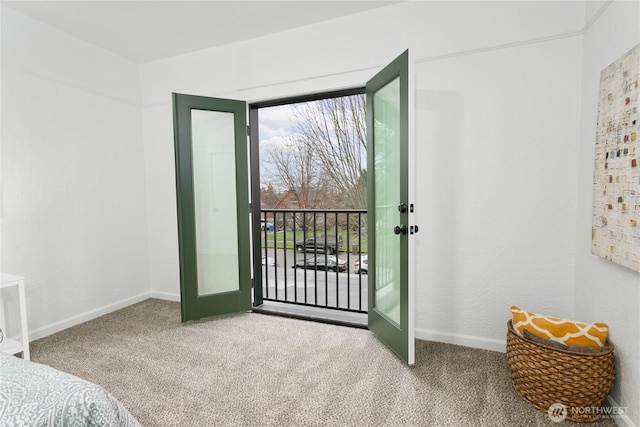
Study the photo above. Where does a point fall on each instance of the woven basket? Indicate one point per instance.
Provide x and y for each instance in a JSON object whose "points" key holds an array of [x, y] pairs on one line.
{"points": [[544, 375]]}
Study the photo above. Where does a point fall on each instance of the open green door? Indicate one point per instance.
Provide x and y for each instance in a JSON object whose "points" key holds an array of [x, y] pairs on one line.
{"points": [[391, 315], [213, 205]]}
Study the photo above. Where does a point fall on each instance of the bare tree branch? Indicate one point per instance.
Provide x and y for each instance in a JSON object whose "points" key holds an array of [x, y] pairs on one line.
{"points": [[296, 170], [334, 130]]}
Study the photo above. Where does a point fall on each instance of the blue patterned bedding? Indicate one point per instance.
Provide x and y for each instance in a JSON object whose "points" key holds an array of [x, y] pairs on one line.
{"points": [[35, 395]]}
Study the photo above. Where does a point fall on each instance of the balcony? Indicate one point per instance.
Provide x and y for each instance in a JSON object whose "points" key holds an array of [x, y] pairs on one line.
{"points": [[314, 263]]}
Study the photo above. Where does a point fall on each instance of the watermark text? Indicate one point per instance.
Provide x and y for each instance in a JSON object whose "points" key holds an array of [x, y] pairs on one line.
{"points": [[558, 412]]}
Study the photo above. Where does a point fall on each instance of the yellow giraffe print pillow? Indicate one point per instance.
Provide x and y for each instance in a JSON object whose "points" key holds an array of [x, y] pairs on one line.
{"points": [[563, 331]]}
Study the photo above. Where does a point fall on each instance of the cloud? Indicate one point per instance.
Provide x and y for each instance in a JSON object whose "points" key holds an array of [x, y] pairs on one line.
{"points": [[276, 127], [276, 117]]}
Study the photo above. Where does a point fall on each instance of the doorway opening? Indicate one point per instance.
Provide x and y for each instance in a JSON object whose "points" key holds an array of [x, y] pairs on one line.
{"points": [[309, 206], [210, 133]]}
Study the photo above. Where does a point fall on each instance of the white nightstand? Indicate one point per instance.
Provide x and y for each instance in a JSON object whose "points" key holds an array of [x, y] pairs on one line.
{"points": [[12, 344]]}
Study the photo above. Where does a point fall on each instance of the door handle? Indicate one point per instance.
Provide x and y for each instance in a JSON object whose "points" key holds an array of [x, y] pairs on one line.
{"points": [[400, 229]]}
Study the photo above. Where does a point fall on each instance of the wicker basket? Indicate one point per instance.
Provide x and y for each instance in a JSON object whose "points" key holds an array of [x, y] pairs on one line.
{"points": [[544, 375]]}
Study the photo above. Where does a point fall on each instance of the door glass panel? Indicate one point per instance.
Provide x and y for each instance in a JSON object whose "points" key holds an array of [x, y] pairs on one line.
{"points": [[386, 124], [213, 155]]}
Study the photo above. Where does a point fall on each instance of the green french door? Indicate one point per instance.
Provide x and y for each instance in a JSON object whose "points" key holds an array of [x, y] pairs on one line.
{"points": [[210, 136], [213, 206], [390, 211]]}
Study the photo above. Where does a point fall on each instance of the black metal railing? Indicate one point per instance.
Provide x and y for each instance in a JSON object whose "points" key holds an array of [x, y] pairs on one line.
{"points": [[315, 257]]}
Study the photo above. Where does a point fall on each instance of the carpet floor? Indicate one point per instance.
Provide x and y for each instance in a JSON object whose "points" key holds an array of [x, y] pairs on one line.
{"points": [[252, 369]]}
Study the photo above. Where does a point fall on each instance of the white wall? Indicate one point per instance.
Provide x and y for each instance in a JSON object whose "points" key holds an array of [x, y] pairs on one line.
{"points": [[497, 126], [605, 291], [496, 185], [73, 195], [1, 9]]}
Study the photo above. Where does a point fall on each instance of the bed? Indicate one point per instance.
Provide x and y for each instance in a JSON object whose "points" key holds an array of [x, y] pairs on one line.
{"points": [[36, 395]]}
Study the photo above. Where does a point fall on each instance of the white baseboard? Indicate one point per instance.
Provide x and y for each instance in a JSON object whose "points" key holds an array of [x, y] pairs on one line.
{"points": [[460, 339], [84, 317], [168, 296], [621, 419]]}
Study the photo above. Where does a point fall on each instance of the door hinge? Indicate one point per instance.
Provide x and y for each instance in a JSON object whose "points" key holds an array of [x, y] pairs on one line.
{"points": [[248, 130]]}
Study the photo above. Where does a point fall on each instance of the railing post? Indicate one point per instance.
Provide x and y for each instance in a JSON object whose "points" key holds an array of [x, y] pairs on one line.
{"points": [[324, 245]]}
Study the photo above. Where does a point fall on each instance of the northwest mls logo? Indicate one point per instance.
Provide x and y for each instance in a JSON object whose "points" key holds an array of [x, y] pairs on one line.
{"points": [[557, 412]]}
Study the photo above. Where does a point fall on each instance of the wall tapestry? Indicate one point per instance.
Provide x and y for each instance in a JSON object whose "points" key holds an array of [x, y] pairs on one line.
{"points": [[616, 182]]}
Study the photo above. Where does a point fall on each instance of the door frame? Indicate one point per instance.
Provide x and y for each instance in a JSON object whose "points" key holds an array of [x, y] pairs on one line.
{"points": [[254, 167]]}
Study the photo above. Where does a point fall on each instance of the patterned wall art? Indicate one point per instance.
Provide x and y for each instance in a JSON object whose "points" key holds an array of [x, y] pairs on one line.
{"points": [[616, 182]]}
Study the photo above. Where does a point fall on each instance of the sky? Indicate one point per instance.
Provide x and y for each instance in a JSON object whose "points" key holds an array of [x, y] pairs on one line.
{"points": [[275, 125], [275, 128]]}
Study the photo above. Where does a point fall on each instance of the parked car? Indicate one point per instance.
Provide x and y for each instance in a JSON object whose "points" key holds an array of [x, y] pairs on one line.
{"points": [[327, 244], [342, 264], [322, 263], [362, 265]]}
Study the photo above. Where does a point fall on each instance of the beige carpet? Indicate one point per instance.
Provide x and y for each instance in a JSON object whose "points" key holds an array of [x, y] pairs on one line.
{"points": [[257, 370]]}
